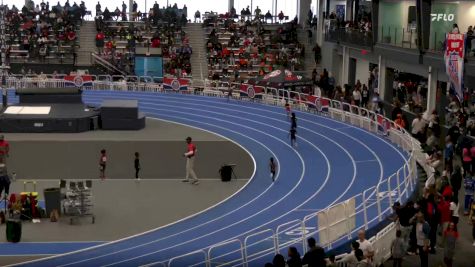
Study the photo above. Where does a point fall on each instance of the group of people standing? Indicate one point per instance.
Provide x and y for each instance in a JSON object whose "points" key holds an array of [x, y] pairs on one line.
{"points": [[189, 155]]}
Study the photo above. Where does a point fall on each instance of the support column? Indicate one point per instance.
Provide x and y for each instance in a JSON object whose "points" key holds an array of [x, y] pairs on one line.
{"points": [[131, 3], [321, 24], [230, 5], [431, 90], [303, 8], [349, 10], [345, 67], [381, 88]]}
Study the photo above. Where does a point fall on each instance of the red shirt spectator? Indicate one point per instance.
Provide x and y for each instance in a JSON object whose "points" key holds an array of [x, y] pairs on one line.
{"points": [[156, 43], [444, 210], [71, 36], [100, 36], [4, 146]]}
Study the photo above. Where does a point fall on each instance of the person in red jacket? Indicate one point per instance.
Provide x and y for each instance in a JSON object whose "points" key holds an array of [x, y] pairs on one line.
{"points": [[4, 149], [190, 161], [445, 216], [100, 41]]}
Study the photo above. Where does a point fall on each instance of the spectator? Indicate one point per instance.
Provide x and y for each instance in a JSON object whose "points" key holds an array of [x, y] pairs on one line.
{"points": [[400, 121], [317, 53], [315, 257], [281, 16], [294, 258], [100, 42], [4, 149], [418, 126], [278, 261], [357, 96], [448, 152], [398, 249], [350, 258], [456, 182], [466, 161], [197, 16], [455, 28], [268, 16], [450, 235], [423, 242], [445, 216], [365, 245]]}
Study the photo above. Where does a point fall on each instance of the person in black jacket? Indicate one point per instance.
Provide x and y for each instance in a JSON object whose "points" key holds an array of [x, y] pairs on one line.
{"points": [[294, 258], [315, 257]]}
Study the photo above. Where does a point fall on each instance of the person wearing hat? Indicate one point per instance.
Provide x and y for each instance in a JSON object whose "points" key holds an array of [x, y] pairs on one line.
{"points": [[4, 149], [190, 160]]}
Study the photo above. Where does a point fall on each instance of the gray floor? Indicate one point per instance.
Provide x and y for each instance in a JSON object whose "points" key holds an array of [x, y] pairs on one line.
{"points": [[123, 206], [161, 145]]}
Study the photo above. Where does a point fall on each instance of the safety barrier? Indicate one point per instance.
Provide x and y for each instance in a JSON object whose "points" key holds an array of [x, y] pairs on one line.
{"points": [[332, 226]]}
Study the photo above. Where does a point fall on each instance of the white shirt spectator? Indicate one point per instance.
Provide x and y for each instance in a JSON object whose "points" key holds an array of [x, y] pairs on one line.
{"points": [[366, 247], [454, 208], [418, 125], [356, 95]]}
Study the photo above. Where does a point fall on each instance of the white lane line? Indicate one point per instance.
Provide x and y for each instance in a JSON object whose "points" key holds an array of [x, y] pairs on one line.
{"points": [[364, 161]]}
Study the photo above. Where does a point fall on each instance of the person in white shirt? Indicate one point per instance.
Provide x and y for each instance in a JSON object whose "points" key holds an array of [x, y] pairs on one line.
{"points": [[357, 96], [365, 245], [418, 125]]}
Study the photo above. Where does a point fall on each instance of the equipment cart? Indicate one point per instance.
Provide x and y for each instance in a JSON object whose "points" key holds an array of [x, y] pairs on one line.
{"points": [[78, 201]]}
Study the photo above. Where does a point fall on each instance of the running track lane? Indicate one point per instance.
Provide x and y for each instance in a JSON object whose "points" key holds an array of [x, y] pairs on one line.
{"points": [[315, 135]]}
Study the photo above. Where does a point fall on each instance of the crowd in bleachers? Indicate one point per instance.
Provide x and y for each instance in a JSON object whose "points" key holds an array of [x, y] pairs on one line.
{"points": [[117, 39], [43, 33], [240, 49]]}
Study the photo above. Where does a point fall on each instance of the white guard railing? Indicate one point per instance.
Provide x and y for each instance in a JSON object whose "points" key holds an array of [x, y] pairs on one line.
{"points": [[330, 227]]}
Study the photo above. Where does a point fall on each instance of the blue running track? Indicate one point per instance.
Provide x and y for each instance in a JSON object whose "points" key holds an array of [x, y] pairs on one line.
{"points": [[332, 162]]}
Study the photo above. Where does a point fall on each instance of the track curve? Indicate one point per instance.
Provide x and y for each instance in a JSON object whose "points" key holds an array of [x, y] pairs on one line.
{"points": [[333, 161]]}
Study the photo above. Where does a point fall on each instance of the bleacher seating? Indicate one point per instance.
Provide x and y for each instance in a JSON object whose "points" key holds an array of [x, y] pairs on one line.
{"points": [[245, 49], [42, 34], [160, 28]]}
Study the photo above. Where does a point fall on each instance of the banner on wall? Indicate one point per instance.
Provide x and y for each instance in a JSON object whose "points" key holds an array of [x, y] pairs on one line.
{"points": [[78, 80], [251, 91], [454, 57], [175, 84]]}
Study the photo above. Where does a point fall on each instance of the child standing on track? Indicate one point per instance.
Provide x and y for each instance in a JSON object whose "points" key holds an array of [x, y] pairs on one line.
{"points": [[273, 168], [102, 164]]}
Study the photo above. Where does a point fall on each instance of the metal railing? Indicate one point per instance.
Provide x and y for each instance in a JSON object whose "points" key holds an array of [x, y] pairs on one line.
{"points": [[331, 226], [349, 36]]}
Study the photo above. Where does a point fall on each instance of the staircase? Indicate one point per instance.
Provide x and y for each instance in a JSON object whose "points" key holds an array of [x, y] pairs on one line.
{"points": [[309, 58], [87, 43], [199, 64]]}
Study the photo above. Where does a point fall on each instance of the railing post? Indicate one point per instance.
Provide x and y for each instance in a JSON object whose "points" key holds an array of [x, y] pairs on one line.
{"points": [[365, 212], [378, 201], [398, 180], [304, 237]]}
